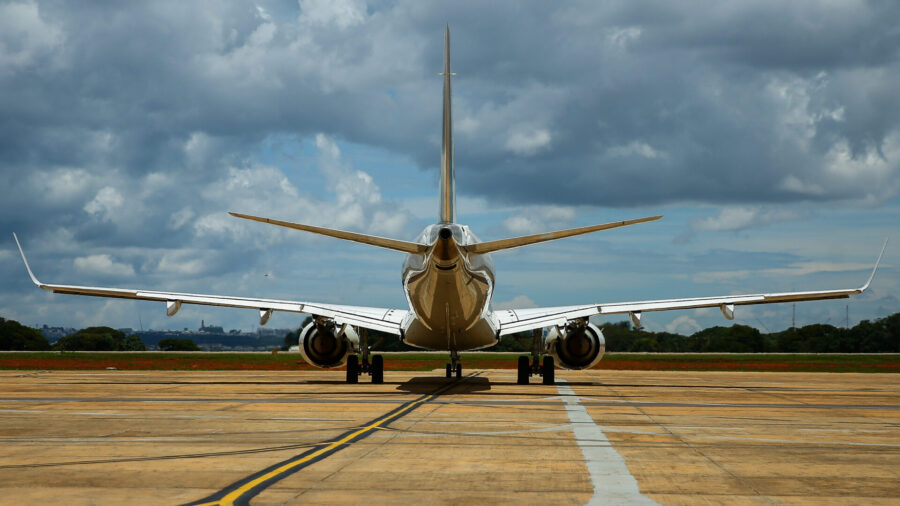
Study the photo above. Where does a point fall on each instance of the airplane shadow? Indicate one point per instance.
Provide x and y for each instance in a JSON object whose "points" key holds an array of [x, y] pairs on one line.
{"points": [[428, 384]]}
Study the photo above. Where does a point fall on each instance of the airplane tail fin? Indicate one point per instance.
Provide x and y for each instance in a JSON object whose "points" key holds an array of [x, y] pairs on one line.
{"points": [[448, 185], [382, 242], [515, 242]]}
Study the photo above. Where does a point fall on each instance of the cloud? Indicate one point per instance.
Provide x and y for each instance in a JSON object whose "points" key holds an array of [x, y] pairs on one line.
{"points": [[352, 201], [684, 325], [635, 148], [537, 219], [804, 268], [735, 218], [518, 302], [107, 201], [25, 37], [340, 13], [103, 265], [181, 218], [528, 142]]}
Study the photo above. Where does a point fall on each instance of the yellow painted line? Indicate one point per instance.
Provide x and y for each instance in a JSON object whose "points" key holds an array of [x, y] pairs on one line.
{"points": [[229, 499]]}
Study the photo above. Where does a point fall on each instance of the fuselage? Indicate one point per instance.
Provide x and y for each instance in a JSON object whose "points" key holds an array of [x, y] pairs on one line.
{"points": [[449, 292]]}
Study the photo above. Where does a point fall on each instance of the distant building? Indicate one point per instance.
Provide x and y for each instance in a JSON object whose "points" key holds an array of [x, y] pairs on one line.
{"points": [[54, 334]]}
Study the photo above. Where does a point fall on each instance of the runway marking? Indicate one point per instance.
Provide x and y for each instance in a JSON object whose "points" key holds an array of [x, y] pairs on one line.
{"points": [[512, 402], [247, 488], [613, 482]]}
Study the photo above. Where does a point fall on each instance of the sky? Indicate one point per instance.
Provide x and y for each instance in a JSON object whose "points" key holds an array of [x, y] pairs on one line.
{"points": [[766, 132]]}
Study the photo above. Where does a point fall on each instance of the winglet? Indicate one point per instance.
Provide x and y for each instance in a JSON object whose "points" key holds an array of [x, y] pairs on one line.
{"points": [[872, 276], [33, 279]]}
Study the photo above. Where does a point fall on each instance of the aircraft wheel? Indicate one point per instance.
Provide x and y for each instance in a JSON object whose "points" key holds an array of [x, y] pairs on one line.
{"points": [[377, 369], [449, 371], [352, 369], [459, 370], [524, 371], [548, 371]]}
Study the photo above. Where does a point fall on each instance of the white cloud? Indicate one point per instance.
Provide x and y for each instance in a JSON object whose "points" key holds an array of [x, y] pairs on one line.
{"points": [[353, 201], [341, 13], [518, 302], [638, 149], [528, 142], [741, 217], [684, 325], [622, 37], [63, 184], [717, 277], [537, 219], [107, 201], [872, 165], [181, 217], [104, 265], [792, 183], [24, 36], [803, 268], [183, 263]]}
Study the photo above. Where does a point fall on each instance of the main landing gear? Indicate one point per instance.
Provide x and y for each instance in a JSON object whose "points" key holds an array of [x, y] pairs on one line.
{"points": [[526, 370], [356, 368], [454, 365]]}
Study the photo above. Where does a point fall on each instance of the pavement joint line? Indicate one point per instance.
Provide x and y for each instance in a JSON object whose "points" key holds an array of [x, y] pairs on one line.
{"points": [[612, 480], [242, 491]]}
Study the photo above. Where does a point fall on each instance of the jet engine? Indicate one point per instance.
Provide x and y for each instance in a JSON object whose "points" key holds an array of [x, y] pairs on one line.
{"points": [[578, 345], [325, 344]]}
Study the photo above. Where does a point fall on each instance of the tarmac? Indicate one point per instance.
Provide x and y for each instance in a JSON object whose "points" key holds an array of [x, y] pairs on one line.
{"points": [[602, 437]]}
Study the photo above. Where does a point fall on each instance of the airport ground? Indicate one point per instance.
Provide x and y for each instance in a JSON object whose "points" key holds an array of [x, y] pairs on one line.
{"points": [[426, 361], [290, 437]]}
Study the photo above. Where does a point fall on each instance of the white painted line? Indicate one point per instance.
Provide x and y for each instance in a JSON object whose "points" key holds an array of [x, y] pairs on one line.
{"points": [[613, 482]]}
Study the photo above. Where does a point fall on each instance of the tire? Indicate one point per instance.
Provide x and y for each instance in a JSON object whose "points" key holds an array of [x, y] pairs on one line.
{"points": [[352, 369], [377, 369], [458, 371], [549, 371], [449, 373], [524, 371]]}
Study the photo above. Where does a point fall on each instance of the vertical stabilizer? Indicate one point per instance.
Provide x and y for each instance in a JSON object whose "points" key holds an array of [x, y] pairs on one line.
{"points": [[448, 185]]}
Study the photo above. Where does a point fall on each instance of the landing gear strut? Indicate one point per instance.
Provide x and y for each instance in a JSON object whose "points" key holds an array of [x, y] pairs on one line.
{"points": [[358, 365], [526, 370], [454, 365]]}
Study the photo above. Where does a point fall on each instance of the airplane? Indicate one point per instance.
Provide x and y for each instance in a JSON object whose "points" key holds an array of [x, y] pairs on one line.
{"points": [[448, 280]]}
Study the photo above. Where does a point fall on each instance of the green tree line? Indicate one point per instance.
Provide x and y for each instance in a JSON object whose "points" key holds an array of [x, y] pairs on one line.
{"points": [[879, 336], [17, 337]]}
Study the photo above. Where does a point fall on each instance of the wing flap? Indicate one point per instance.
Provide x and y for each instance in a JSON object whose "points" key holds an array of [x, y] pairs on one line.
{"points": [[520, 320]]}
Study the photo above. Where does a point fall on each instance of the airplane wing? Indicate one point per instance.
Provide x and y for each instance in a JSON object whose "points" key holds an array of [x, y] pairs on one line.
{"points": [[519, 320], [385, 320]]}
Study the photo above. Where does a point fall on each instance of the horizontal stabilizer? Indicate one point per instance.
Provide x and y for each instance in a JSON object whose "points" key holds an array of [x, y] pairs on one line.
{"points": [[382, 242], [515, 242]]}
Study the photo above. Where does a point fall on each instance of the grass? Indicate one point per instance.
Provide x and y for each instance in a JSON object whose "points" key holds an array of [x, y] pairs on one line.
{"points": [[427, 361]]}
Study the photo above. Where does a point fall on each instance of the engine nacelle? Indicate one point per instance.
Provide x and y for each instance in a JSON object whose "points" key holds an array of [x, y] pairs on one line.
{"points": [[326, 344], [579, 345]]}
